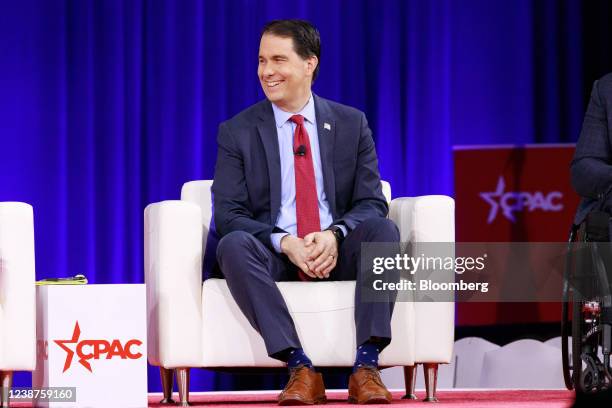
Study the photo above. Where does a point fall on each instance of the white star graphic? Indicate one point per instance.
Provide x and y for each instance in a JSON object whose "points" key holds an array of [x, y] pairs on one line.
{"points": [[493, 199]]}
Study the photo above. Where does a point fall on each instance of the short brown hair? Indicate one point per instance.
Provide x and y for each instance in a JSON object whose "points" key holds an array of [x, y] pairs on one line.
{"points": [[306, 38]]}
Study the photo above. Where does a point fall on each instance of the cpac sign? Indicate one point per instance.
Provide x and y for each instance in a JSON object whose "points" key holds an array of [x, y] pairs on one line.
{"points": [[513, 201], [97, 349]]}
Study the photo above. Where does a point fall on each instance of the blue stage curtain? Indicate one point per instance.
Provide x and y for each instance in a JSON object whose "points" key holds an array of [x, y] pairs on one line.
{"points": [[106, 106]]}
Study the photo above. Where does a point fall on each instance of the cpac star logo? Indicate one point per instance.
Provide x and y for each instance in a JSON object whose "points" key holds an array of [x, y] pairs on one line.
{"points": [[512, 201], [70, 353], [97, 349]]}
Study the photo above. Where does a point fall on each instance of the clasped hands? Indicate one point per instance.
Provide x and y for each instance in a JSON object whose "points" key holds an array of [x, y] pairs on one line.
{"points": [[316, 254]]}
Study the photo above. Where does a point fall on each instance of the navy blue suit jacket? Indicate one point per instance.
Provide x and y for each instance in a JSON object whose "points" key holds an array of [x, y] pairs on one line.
{"points": [[247, 183], [591, 167]]}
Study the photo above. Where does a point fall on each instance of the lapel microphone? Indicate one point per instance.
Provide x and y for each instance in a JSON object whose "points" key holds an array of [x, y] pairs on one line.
{"points": [[300, 151]]}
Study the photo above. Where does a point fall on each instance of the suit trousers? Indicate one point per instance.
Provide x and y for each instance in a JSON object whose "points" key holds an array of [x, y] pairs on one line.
{"points": [[251, 270]]}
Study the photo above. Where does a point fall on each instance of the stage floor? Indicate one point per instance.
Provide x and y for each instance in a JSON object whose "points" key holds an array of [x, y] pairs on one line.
{"points": [[450, 398], [336, 398]]}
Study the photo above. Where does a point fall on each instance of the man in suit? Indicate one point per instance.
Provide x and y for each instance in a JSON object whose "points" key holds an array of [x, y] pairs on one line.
{"points": [[296, 191], [591, 167], [591, 172]]}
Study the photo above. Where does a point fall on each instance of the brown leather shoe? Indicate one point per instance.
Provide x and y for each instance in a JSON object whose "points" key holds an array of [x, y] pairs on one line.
{"points": [[366, 387], [305, 387]]}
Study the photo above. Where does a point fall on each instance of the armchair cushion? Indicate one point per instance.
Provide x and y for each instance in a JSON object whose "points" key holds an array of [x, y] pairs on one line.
{"points": [[323, 315]]}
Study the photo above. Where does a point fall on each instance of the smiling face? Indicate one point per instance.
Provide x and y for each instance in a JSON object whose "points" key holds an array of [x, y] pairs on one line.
{"points": [[285, 77]]}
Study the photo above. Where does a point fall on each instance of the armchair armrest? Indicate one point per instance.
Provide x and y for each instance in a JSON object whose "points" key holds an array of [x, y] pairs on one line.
{"points": [[17, 289], [429, 219], [173, 275]]}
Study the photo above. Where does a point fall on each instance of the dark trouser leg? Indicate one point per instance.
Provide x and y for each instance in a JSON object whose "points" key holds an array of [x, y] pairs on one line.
{"points": [[372, 319], [251, 271]]}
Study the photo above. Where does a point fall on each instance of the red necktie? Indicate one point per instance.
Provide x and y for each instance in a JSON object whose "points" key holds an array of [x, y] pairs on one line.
{"points": [[306, 201]]}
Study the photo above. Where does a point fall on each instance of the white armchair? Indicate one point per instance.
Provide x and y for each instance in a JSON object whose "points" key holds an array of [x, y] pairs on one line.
{"points": [[17, 294], [197, 324]]}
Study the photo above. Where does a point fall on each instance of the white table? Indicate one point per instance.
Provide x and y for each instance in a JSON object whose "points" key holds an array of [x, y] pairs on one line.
{"points": [[104, 356]]}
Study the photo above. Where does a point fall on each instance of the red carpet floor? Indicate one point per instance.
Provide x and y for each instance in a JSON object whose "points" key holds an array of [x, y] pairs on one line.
{"points": [[448, 399], [464, 399]]}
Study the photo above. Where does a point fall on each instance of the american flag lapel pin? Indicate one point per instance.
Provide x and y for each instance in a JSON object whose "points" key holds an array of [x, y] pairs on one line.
{"points": [[327, 126]]}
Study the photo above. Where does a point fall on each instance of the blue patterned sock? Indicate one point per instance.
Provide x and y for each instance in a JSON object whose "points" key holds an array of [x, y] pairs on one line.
{"points": [[296, 358], [367, 355]]}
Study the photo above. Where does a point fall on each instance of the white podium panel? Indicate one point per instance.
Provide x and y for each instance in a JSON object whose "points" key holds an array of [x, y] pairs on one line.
{"points": [[93, 338]]}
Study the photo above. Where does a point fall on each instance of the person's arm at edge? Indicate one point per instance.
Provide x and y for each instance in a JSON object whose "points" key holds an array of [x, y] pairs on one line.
{"points": [[591, 172]]}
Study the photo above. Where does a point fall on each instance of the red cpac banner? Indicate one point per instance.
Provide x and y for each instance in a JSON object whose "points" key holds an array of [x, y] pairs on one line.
{"points": [[512, 194]]}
